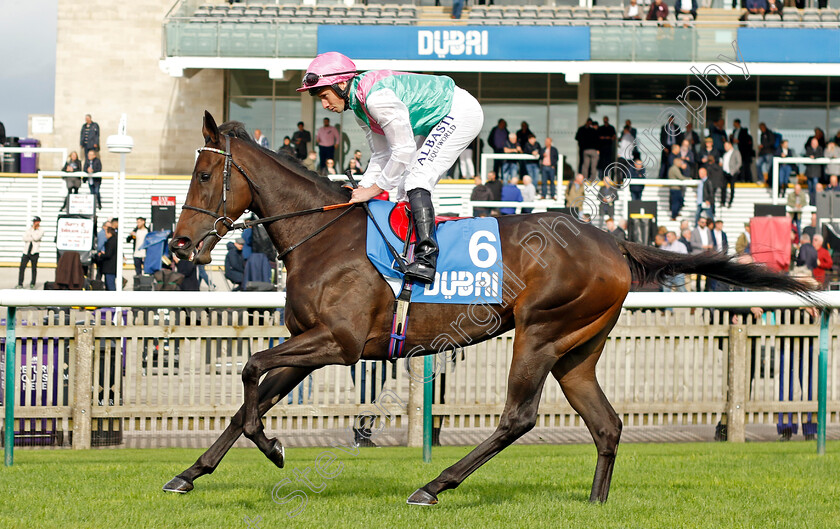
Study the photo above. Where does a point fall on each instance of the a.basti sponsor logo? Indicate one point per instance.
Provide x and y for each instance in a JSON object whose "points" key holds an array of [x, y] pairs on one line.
{"points": [[452, 42]]}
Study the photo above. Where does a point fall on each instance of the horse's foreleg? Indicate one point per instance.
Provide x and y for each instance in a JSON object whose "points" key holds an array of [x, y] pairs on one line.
{"points": [[275, 385], [576, 374], [528, 372], [311, 349]]}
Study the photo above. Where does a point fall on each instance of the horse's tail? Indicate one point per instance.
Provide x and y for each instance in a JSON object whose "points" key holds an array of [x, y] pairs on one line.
{"points": [[648, 265]]}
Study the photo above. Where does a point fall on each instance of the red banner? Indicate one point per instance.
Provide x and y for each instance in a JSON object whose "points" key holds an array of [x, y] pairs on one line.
{"points": [[163, 201], [770, 242]]}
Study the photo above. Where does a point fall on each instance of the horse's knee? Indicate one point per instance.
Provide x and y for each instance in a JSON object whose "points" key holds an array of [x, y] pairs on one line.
{"points": [[250, 373], [512, 428], [608, 438]]}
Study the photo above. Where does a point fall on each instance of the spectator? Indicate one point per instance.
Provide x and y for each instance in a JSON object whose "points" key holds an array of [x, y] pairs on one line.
{"points": [[705, 197], [626, 147], [702, 240], [73, 165], [300, 140], [637, 172], [669, 135], [824, 262], [287, 147], [659, 240], [784, 169], [89, 137], [819, 135], [741, 139], [685, 238], [93, 166], [795, 203], [756, 7], [327, 138], [529, 192], [523, 134], [606, 144], [496, 140], [731, 165], [510, 168], [261, 140], [235, 263], [766, 151], [108, 259], [775, 7], [138, 236], [658, 11], [813, 172], [532, 167], [614, 230], [832, 151], [677, 282], [686, 7], [742, 245], [494, 185], [721, 239], [357, 155], [101, 239], [329, 169], [587, 138], [549, 157], [807, 252], [693, 138], [311, 161], [188, 269], [457, 7], [687, 155], [676, 192], [575, 193], [31, 251], [832, 183], [481, 193], [718, 135], [354, 168], [633, 11], [709, 159], [811, 229], [511, 193]]}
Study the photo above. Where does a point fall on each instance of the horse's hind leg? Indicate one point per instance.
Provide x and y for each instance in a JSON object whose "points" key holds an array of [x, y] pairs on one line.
{"points": [[274, 386], [528, 371], [576, 374]]}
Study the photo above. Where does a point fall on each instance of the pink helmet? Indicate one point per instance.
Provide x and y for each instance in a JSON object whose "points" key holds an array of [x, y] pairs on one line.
{"points": [[328, 69]]}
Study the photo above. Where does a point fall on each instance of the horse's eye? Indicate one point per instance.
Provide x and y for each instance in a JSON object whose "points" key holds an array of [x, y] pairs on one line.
{"points": [[203, 177]]}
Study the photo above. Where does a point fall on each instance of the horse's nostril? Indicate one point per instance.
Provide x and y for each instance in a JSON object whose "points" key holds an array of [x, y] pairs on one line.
{"points": [[181, 243]]}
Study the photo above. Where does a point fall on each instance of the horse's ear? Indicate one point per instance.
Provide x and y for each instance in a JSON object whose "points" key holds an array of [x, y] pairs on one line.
{"points": [[210, 130]]}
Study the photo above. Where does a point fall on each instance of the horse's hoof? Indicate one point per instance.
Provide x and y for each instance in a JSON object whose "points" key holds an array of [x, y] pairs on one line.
{"points": [[277, 453], [422, 497], [179, 485]]}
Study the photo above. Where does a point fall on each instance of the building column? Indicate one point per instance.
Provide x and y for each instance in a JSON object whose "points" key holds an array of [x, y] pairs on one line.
{"points": [[583, 98]]}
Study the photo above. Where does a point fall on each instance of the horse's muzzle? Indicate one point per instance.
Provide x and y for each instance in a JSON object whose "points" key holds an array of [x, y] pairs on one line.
{"points": [[183, 247]]}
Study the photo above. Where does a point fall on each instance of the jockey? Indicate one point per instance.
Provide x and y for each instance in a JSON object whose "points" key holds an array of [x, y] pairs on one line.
{"points": [[416, 126]]}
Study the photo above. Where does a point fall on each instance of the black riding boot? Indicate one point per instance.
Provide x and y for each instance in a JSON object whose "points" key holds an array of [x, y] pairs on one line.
{"points": [[422, 270]]}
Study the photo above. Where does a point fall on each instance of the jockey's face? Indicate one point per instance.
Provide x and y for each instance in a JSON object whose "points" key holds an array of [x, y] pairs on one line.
{"points": [[330, 100]]}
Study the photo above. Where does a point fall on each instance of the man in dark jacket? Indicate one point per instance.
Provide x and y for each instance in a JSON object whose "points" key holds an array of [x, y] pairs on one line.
{"points": [[108, 259], [549, 158], [741, 139], [480, 193], [495, 187], [670, 134], [89, 137], [588, 142], [496, 140], [93, 165], [235, 263], [301, 139], [766, 150], [813, 171]]}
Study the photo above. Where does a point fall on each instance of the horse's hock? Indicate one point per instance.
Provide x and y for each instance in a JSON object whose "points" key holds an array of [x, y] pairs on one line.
{"points": [[167, 378]]}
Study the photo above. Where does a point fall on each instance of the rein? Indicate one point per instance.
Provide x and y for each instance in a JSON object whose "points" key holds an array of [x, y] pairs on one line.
{"points": [[227, 222]]}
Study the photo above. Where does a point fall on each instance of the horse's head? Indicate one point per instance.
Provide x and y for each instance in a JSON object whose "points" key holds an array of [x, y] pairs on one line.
{"points": [[219, 193]]}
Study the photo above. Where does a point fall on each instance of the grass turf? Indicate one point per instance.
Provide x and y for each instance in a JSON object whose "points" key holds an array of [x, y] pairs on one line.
{"points": [[761, 485]]}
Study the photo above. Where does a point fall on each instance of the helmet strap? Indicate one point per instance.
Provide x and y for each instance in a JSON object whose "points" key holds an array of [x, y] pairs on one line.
{"points": [[343, 94]]}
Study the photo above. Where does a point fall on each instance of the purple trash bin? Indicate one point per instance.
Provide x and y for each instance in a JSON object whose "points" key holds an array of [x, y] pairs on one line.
{"points": [[29, 160]]}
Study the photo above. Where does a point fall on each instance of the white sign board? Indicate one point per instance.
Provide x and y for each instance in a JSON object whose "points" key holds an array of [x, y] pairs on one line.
{"points": [[80, 204], [42, 125], [74, 234]]}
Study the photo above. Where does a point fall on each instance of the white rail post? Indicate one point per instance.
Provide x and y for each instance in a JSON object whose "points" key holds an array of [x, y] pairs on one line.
{"points": [[415, 403], [736, 384], [83, 387]]}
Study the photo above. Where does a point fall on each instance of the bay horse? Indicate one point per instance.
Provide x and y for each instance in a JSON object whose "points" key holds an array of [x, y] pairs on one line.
{"points": [[563, 289]]}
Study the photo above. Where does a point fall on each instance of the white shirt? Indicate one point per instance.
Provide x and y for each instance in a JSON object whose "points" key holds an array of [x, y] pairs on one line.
{"points": [[633, 11], [140, 238], [726, 157], [392, 153], [625, 146], [718, 240], [677, 247], [685, 5], [704, 236], [32, 236]]}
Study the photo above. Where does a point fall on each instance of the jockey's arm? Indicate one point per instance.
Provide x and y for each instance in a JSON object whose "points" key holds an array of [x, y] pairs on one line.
{"points": [[398, 148], [380, 154]]}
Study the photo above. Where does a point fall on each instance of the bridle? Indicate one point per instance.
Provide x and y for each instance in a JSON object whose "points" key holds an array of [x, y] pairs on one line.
{"points": [[227, 222]]}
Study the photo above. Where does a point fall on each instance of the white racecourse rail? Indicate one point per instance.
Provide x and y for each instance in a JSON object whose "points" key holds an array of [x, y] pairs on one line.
{"points": [[172, 376]]}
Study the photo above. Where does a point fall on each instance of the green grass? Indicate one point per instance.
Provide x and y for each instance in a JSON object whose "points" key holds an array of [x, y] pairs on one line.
{"points": [[761, 485]]}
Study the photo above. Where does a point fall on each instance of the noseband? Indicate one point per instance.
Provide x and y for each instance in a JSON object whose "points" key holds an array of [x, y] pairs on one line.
{"points": [[226, 221]]}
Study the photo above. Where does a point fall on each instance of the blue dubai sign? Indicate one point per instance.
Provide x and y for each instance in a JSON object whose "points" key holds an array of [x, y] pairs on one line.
{"points": [[465, 43]]}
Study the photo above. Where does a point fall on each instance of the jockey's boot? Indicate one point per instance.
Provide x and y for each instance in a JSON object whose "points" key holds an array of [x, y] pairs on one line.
{"points": [[422, 270]]}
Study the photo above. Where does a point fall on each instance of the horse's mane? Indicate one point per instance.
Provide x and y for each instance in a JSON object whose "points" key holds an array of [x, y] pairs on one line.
{"points": [[236, 129]]}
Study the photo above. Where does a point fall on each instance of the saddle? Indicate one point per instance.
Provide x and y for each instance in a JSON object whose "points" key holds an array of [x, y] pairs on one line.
{"points": [[398, 221]]}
